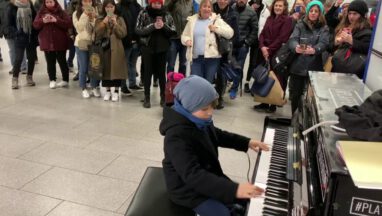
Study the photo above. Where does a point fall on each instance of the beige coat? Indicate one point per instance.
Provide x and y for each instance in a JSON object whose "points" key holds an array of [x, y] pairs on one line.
{"points": [[210, 48], [84, 28], [115, 66]]}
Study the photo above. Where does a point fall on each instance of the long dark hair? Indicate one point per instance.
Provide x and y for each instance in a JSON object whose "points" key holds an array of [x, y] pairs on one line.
{"points": [[57, 8], [285, 12], [80, 8], [362, 23], [105, 3]]}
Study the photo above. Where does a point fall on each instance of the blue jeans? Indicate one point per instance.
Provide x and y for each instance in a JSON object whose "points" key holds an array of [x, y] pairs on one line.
{"points": [[83, 61], [240, 54], [12, 54], [205, 67], [175, 48], [131, 54], [212, 207]]}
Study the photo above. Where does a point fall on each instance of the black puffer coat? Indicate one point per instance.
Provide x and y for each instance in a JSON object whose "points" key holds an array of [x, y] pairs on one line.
{"points": [[248, 26]]}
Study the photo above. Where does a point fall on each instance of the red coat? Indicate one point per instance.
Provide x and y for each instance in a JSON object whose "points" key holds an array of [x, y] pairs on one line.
{"points": [[276, 31], [53, 36]]}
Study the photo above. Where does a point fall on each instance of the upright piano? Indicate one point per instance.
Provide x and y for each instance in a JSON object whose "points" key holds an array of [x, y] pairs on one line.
{"points": [[304, 174]]}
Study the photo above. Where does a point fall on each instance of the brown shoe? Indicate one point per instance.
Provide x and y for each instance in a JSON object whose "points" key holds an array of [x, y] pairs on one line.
{"points": [[15, 82], [30, 81]]}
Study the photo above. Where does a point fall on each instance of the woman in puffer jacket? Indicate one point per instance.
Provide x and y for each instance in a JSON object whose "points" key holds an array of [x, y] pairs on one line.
{"points": [[310, 38]]}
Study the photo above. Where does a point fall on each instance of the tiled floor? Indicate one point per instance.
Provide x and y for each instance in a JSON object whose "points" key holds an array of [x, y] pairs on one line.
{"points": [[64, 155]]}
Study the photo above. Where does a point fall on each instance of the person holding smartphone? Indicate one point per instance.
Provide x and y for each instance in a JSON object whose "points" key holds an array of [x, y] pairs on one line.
{"points": [[110, 29], [155, 27], [53, 20], [310, 38]]}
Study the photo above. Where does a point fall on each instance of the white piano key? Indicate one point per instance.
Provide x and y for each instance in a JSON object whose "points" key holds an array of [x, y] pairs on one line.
{"points": [[257, 203], [263, 167]]}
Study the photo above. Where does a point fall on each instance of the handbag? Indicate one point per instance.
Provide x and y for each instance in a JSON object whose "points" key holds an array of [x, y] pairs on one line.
{"points": [[346, 61], [96, 52], [275, 95], [262, 89], [260, 73], [224, 45], [283, 58], [228, 71]]}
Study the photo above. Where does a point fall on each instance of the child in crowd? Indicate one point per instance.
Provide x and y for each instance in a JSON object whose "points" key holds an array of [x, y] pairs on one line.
{"points": [[192, 170]]}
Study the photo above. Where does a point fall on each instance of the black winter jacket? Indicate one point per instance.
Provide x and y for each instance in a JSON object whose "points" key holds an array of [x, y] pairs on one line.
{"points": [[145, 26], [229, 16], [129, 11], [361, 41], [248, 26], [192, 170], [3, 15], [10, 30], [180, 10], [318, 38]]}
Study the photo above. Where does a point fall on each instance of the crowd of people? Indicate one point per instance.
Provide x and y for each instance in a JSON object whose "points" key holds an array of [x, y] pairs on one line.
{"points": [[162, 32]]}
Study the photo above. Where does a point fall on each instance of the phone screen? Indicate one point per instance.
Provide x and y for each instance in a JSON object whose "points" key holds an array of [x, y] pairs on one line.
{"points": [[109, 13], [297, 9]]}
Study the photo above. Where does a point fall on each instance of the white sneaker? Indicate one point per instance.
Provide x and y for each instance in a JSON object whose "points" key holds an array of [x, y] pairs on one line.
{"points": [[107, 96], [114, 96], [62, 84], [96, 92], [52, 84], [85, 93]]}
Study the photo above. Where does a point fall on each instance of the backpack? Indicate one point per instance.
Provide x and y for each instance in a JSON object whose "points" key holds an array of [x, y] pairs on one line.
{"points": [[173, 79]]}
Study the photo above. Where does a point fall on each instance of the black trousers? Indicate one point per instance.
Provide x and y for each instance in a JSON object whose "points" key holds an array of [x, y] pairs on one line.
{"points": [[155, 64], [297, 87], [19, 55], [220, 81], [57, 56], [255, 58]]}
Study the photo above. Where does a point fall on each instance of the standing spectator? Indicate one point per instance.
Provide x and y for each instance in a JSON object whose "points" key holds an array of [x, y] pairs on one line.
{"points": [[53, 23], [276, 31], [8, 33], [262, 13], [111, 27], [84, 21], [180, 10], [309, 39], [354, 34], [20, 15], [3, 7], [248, 28], [230, 16], [70, 7], [129, 11], [155, 27], [199, 37], [297, 11]]}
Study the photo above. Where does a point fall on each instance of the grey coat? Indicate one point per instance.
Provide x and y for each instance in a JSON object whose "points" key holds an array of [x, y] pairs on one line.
{"points": [[248, 26], [318, 38], [180, 10], [3, 15]]}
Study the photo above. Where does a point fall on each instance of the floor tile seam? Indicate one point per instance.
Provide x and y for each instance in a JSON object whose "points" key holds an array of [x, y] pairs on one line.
{"points": [[108, 164], [51, 210], [95, 207], [30, 181], [125, 202]]}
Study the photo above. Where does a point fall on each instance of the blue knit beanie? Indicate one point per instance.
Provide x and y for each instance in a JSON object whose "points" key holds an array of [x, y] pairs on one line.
{"points": [[195, 93], [316, 2]]}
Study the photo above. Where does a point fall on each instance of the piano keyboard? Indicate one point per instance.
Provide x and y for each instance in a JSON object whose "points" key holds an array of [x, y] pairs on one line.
{"points": [[271, 175]]}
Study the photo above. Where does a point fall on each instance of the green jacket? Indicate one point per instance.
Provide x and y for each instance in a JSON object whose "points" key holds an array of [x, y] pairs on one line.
{"points": [[180, 10]]}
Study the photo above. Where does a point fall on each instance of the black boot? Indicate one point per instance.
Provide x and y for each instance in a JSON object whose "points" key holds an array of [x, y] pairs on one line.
{"points": [[220, 104], [261, 107], [146, 102]]}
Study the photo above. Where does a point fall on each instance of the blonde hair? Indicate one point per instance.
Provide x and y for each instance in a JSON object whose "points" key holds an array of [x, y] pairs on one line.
{"points": [[202, 2]]}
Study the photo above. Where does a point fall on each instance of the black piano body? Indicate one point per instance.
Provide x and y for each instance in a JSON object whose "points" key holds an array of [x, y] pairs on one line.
{"points": [[320, 183]]}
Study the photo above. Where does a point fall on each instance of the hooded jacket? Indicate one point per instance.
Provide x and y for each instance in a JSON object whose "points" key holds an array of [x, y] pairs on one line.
{"points": [[191, 167]]}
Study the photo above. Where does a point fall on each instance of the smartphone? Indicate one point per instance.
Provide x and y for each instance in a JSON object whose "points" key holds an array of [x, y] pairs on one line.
{"points": [[297, 9], [303, 43], [110, 14], [89, 9], [340, 10]]}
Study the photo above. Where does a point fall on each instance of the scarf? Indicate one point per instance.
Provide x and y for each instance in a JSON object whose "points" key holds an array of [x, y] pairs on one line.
{"points": [[153, 13], [202, 124], [24, 17]]}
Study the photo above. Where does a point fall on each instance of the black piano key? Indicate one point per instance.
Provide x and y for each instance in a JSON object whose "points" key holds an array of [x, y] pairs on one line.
{"points": [[276, 203], [274, 211], [276, 195]]}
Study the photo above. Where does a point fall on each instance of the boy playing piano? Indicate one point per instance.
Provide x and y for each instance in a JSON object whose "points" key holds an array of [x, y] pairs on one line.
{"points": [[192, 170]]}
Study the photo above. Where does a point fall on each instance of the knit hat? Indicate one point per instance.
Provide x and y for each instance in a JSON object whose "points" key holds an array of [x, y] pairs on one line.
{"points": [[153, 1], [315, 2], [359, 6], [195, 93]]}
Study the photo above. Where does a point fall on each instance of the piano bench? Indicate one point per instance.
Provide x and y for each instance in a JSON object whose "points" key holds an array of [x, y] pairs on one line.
{"points": [[151, 198]]}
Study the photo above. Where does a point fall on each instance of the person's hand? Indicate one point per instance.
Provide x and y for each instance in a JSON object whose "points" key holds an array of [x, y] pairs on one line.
{"points": [[299, 50], [53, 19], [46, 19], [248, 190], [113, 19], [296, 16], [346, 37], [158, 23], [338, 3], [106, 20], [189, 43], [256, 145], [265, 52], [212, 28], [310, 50]]}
